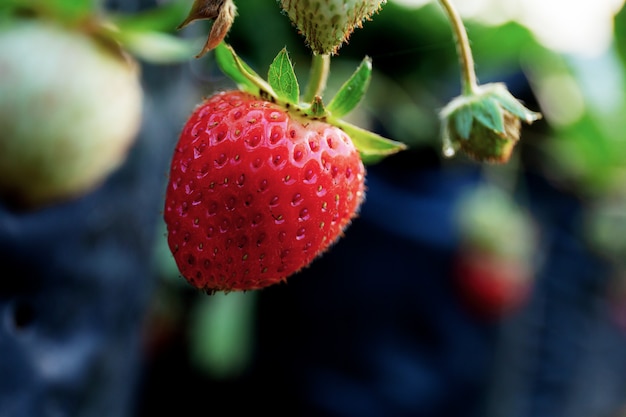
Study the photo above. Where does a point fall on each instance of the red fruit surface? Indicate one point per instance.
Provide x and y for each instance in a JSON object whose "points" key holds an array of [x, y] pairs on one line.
{"points": [[256, 193], [491, 286]]}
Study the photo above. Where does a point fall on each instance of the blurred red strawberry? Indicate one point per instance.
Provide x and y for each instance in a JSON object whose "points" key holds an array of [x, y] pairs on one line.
{"points": [[493, 270], [490, 285]]}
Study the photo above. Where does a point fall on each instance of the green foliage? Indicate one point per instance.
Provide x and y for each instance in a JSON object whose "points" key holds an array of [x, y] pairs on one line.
{"points": [[155, 47], [163, 18], [147, 35], [240, 72], [283, 89], [62, 10], [221, 334]]}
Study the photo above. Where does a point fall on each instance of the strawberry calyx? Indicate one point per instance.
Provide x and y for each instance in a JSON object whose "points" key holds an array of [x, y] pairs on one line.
{"points": [[282, 88], [485, 123], [221, 12]]}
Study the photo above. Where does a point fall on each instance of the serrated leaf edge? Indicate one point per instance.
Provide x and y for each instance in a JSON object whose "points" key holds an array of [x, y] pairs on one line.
{"points": [[252, 82], [282, 78], [370, 145]]}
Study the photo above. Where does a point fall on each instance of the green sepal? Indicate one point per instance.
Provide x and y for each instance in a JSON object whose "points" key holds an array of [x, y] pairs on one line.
{"points": [[463, 121], [244, 76], [352, 91], [317, 109], [511, 104], [488, 113], [282, 78], [370, 145]]}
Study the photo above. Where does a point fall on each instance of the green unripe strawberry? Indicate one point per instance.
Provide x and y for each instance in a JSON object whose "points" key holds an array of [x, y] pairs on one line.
{"points": [[327, 24], [485, 123], [488, 145], [70, 107]]}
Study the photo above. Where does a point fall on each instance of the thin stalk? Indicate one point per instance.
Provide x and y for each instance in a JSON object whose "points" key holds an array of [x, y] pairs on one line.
{"points": [[466, 60], [320, 67]]}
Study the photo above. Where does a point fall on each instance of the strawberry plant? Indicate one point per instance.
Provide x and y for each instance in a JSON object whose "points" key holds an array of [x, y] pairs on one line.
{"points": [[264, 179], [485, 120], [260, 183]]}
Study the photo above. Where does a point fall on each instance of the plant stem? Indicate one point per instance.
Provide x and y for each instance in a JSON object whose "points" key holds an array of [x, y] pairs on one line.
{"points": [[469, 84], [318, 76]]}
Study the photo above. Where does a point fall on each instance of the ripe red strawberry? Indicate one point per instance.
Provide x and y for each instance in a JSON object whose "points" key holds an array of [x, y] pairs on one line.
{"points": [[256, 193]]}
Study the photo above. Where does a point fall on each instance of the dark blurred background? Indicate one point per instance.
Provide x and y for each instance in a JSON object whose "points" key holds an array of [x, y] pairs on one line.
{"points": [[96, 320]]}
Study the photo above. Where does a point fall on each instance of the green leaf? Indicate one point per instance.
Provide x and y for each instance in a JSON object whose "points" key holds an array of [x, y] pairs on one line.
{"points": [[237, 70], [352, 91], [9, 6], [72, 7], [159, 19], [463, 121], [157, 47], [488, 112], [68, 11], [282, 78], [371, 146]]}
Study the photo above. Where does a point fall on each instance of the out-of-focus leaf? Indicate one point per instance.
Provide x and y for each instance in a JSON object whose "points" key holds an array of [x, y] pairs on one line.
{"points": [[61, 10], [157, 47], [164, 18], [222, 338]]}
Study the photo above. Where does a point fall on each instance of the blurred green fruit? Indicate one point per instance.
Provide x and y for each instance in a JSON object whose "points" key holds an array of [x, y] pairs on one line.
{"points": [[70, 108]]}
